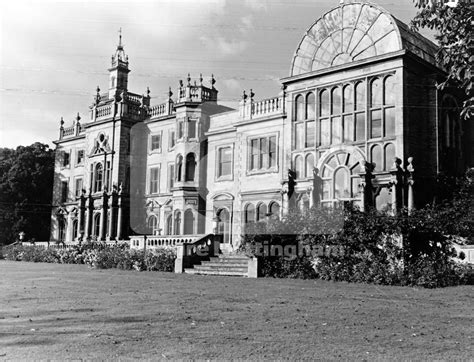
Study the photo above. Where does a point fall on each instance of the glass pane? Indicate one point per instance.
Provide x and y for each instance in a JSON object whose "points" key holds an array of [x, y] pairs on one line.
{"points": [[342, 183], [355, 186], [299, 103], [324, 103], [389, 156], [336, 101], [326, 190], [310, 106], [309, 165], [376, 93], [310, 134], [383, 201], [327, 172], [325, 132], [360, 127], [299, 136], [348, 98], [336, 130], [389, 90], [192, 129], [360, 96], [348, 128], [376, 124], [299, 167], [376, 157], [389, 122]]}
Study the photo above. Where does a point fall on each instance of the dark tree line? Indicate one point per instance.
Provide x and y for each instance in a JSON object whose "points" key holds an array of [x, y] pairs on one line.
{"points": [[26, 186]]}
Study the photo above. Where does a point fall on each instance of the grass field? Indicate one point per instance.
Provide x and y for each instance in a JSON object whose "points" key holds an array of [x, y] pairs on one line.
{"points": [[70, 311]]}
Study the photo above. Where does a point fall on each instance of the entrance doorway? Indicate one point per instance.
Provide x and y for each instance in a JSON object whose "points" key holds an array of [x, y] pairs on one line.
{"points": [[223, 225]]}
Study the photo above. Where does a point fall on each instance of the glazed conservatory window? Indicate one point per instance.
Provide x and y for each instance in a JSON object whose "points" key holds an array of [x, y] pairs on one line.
{"points": [[305, 126], [382, 107], [263, 153]]}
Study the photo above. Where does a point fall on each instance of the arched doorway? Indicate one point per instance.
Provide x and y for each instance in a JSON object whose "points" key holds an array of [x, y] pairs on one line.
{"points": [[188, 222], [169, 225], [152, 225], [177, 223], [223, 225], [61, 230], [75, 226]]}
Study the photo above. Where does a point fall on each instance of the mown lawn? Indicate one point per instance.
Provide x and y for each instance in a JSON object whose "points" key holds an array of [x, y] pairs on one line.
{"points": [[70, 311]]}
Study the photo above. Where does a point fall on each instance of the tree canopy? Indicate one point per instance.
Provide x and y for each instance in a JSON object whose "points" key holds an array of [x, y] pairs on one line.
{"points": [[453, 26], [26, 186]]}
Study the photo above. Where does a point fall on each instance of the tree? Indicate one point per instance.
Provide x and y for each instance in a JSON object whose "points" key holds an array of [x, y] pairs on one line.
{"points": [[26, 186], [453, 25]]}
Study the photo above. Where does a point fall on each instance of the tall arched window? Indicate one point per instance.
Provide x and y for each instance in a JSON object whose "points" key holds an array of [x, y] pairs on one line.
{"points": [[299, 167], [389, 106], [310, 106], [309, 164], [169, 225], [97, 225], [179, 167], [324, 104], [336, 101], [261, 212], [376, 157], [61, 229], [249, 213], [152, 224], [299, 108], [375, 108], [389, 156], [342, 186], [75, 229], [190, 166], [188, 222], [98, 175], [348, 105], [274, 209], [223, 224], [177, 223]]}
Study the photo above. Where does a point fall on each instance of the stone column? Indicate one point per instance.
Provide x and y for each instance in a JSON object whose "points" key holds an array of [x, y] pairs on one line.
{"points": [[411, 182], [309, 192], [112, 207], [103, 219], [82, 210], [284, 201], [70, 229], [119, 217], [89, 211]]}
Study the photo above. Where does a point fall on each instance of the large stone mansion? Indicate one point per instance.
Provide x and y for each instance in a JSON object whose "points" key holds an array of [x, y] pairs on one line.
{"points": [[358, 120]]}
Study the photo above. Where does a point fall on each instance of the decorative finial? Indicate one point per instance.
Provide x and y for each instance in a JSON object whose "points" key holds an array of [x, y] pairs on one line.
{"points": [[170, 93], [98, 90], [410, 167], [244, 96], [120, 37], [61, 122], [200, 78], [189, 79], [180, 82], [213, 81], [252, 94], [147, 91], [78, 118]]}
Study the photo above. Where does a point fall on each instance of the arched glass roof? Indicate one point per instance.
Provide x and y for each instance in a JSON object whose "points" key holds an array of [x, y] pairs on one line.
{"points": [[355, 31]]}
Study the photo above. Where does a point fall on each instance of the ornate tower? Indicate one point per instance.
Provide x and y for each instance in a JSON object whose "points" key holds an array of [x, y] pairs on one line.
{"points": [[118, 72]]}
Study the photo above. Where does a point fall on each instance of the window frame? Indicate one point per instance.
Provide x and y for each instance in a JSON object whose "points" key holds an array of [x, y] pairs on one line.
{"points": [[301, 122], [152, 182], [78, 192], [383, 108], [262, 155], [158, 149], [219, 176], [80, 162]]}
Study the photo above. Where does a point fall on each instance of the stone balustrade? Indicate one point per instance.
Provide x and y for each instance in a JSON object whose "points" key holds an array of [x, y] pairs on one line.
{"points": [[153, 241], [161, 110], [250, 109]]}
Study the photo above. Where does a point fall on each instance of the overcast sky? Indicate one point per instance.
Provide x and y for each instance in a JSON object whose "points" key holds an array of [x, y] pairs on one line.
{"points": [[54, 54]]}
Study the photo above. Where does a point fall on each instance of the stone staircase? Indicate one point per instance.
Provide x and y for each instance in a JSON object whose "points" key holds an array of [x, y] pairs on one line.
{"points": [[231, 265]]}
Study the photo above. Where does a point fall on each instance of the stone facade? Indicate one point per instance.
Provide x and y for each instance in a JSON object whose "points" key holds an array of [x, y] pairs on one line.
{"points": [[359, 120]]}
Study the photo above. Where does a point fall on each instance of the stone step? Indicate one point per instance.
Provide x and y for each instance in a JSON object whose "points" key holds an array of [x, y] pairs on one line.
{"points": [[222, 265], [225, 260], [221, 268], [215, 272]]}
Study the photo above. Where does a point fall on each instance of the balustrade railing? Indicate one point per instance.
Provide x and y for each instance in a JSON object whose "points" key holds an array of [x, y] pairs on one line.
{"points": [[267, 106]]}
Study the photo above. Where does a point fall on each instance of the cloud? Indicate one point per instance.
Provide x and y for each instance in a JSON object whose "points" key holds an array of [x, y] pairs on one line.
{"points": [[224, 47], [256, 5], [232, 85]]}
